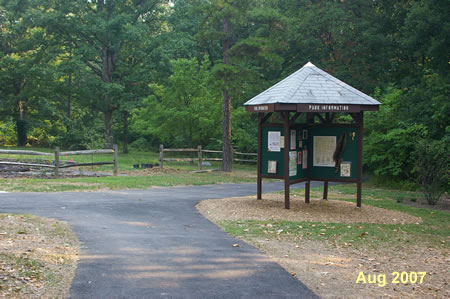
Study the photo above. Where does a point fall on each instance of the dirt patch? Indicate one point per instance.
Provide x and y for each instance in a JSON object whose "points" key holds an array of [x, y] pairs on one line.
{"points": [[331, 272], [441, 205], [38, 257], [151, 171], [272, 207]]}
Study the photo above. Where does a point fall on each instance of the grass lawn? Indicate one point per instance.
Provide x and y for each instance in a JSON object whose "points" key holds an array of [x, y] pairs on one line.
{"points": [[434, 230], [329, 256], [174, 173]]}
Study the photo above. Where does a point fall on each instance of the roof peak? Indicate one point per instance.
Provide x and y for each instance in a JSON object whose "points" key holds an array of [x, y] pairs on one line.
{"points": [[311, 85]]}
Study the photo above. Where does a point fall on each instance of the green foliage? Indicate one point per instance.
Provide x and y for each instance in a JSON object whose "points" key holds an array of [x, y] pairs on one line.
{"points": [[433, 161], [66, 64], [185, 112], [7, 134], [389, 154]]}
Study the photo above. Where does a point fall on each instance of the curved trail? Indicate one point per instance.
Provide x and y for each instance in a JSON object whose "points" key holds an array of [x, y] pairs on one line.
{"points": [[154, 244]]}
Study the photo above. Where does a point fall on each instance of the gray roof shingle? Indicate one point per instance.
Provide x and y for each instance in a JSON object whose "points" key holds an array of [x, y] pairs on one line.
{"points": [[311, 85]]}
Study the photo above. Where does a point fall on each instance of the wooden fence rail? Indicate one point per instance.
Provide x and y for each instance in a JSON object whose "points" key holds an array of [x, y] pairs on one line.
{"points": [[57, 155], [200, 157], [21, 152]]}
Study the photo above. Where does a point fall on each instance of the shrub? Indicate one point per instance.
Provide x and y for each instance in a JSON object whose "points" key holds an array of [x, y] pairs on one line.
{"points": [[432, 167]]}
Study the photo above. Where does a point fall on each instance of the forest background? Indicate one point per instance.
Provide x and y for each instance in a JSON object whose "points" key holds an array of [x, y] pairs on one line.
{"points": [[87, 74]]}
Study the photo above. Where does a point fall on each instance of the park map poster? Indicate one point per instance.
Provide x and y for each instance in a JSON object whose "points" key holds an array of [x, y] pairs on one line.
{"points": [[324, 147]]}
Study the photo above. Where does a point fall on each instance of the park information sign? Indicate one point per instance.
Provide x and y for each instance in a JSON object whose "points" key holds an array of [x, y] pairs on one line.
{"points": [[299, 139]]}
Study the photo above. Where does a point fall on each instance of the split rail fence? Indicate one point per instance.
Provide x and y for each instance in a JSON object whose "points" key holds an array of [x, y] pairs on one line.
{"points": [[58, 164], [244, 157]]}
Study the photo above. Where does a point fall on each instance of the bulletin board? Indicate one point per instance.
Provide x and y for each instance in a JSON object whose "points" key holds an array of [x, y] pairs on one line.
{"points": [[296, 145], [307, 138], [349, 157]]}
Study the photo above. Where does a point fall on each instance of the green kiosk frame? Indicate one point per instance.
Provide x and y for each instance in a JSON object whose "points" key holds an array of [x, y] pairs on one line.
{"points": [[318, 148]]}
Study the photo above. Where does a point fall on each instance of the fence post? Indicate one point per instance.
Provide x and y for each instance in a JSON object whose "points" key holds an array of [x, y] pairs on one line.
{"points": [[161, 155], [200, 157], [116, 159], [57, 162]]}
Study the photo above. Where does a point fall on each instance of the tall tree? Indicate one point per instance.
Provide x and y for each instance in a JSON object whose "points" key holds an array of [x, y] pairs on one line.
{"points": [[235, 28], [21, 73], [101, 30]]}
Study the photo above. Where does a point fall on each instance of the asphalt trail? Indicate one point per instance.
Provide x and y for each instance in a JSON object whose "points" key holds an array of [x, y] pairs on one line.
{"points": [[154, 244]]}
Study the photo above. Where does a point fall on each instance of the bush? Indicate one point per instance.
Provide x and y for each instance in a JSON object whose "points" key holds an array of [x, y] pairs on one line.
{"points": [[432, 167], [8, 135]]}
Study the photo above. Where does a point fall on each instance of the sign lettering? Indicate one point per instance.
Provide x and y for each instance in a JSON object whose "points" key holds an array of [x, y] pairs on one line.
{"points": [[337, 108], [261, 108]]}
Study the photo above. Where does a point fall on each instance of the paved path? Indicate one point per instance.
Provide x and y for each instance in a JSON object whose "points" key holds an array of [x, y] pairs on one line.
{"points": [[155, 244]]}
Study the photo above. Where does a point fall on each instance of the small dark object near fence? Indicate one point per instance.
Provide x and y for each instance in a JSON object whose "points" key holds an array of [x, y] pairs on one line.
{"points": [[200, 157]]}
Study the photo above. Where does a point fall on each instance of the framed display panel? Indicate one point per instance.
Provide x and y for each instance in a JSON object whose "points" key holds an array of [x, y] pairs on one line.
{"points": [[349, 153], [270, 155], [267, 154]]}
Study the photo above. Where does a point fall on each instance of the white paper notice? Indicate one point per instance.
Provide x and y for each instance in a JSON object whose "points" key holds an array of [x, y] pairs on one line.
{"points": [[272, 167], [324, 147], [292, 163], [346, 169], [274, 141], [305, 159]]}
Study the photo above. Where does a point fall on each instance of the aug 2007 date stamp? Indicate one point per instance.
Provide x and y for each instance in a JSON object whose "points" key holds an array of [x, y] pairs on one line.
{"points": [[395, 278]]}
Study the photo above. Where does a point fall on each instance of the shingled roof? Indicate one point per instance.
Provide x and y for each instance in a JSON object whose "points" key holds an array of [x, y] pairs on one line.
{"points": [[311, 85]]}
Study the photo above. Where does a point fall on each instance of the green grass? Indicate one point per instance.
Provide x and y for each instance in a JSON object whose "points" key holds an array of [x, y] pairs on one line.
{"points": [[135, 180], [126, 161], [433, 231], [123, 182]]}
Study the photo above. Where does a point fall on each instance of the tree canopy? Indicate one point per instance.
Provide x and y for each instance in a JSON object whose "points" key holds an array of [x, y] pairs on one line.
{"points": [[92, 73]]}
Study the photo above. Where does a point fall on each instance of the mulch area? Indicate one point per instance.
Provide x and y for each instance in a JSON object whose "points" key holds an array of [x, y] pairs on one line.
{"points": [[272, 207]]}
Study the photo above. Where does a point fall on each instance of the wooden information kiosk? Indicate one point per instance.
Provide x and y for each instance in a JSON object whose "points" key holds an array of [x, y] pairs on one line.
{"points": [[300, 138]]}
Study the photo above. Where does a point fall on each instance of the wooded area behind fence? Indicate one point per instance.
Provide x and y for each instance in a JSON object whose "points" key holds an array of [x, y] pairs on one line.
{"points": [[200, 157], [58, 164]]}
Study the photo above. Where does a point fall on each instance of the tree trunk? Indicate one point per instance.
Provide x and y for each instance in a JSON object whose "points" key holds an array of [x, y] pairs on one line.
{"points": [[125, 132], [227, 158], [227, 155], [107, 70], [69, 98], [21, 126], [109, 138], [21, 132]]}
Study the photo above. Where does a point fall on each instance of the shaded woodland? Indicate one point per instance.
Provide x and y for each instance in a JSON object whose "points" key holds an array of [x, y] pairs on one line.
{"points": [[86, 74]]}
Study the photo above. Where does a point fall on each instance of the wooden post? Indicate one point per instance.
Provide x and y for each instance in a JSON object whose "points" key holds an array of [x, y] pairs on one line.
{"points": [[56, 162], [307, 191], [161, 155], [259, 158], [116, 160], [325, 190], [360, 159], [200, 157], [286, 160]]}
